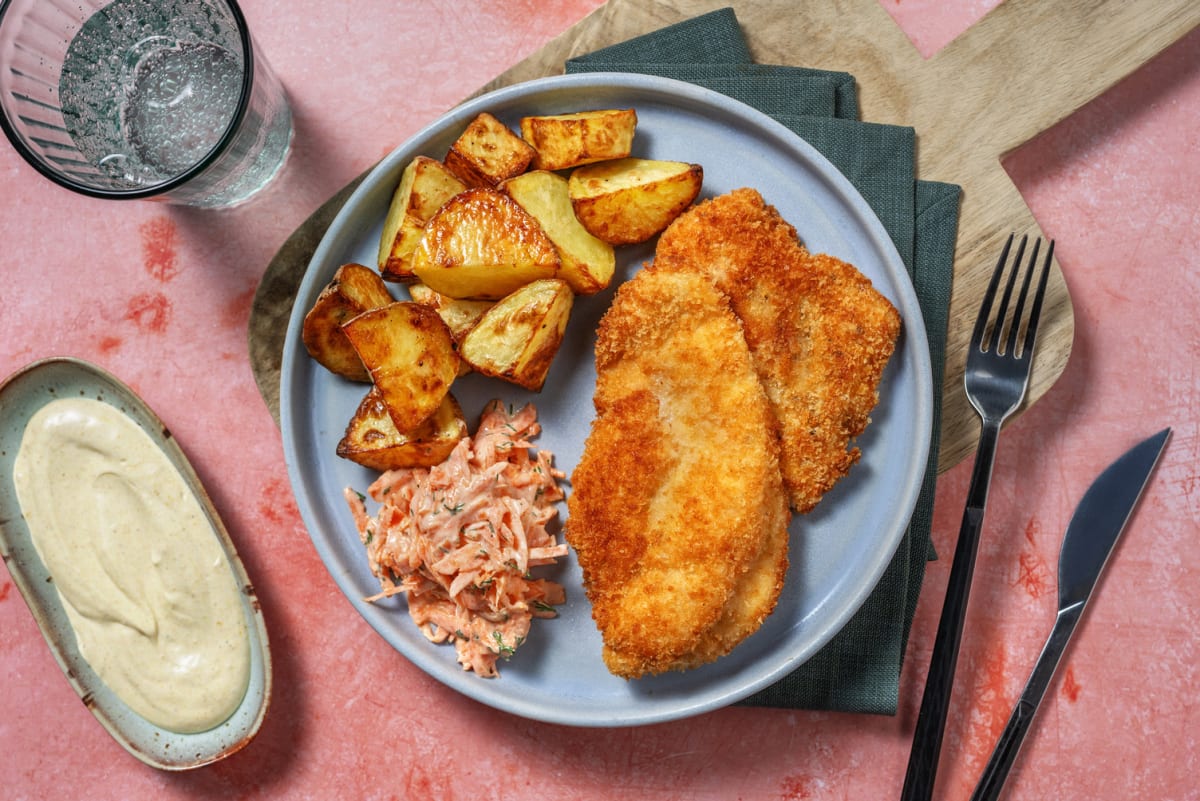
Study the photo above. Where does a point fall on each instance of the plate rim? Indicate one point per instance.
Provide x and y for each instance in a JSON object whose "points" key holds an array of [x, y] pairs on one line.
{"points": [[914, 329]]}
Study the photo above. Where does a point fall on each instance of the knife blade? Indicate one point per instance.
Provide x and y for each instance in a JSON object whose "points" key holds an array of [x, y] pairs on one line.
{"points": [[1091, 535]]}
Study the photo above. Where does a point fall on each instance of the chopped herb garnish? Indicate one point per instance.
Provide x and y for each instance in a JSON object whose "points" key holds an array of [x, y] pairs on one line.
{"points": [[504, 650]]}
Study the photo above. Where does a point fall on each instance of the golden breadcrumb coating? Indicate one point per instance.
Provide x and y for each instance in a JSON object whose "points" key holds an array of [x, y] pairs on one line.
{"points": [[677, 512], [820, 334]]}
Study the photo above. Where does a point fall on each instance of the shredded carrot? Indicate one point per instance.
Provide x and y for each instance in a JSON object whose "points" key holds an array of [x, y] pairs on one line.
{"points": [[461, 537]]}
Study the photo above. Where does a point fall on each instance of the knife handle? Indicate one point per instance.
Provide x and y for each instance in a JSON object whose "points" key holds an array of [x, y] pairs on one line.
{"points": [[1009, 744], [935, 703]]}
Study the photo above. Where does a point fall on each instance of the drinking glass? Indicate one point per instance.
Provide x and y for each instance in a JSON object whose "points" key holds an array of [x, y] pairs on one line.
{"points": [[162, 99]]}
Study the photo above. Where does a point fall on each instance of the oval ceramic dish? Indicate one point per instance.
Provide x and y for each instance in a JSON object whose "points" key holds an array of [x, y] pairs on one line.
{"points": [[20, 397], [838, 552]]}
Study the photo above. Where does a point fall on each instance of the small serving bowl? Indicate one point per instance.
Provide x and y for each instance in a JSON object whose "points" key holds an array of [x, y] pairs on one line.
{"points": [[21, 395]]}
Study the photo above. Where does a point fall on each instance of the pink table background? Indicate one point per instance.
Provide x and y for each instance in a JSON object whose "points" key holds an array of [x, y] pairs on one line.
{"points": [[161, 297]]}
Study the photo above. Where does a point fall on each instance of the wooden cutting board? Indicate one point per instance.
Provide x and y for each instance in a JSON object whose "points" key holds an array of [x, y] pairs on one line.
{"points": [[1024, 67]]}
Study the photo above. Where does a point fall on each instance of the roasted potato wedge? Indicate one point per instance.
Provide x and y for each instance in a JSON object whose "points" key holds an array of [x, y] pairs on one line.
{"points": [[588, 263], [354, 289], [373, 440], [482, 245], [631, 200], [563, 141], [425, 185], [516, 339], [487, 152], [460, 316], [410, 356]]}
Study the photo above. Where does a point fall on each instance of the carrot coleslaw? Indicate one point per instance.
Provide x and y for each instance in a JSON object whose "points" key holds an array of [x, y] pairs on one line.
{"points": [[460, 538]]}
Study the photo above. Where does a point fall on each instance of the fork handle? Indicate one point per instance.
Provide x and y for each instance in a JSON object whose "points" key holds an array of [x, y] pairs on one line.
{"points": [[931, 720]]}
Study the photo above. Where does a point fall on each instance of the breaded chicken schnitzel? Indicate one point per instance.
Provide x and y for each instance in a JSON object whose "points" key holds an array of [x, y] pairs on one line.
{"points": [[677, 512], [756, 592], [820, 334]]}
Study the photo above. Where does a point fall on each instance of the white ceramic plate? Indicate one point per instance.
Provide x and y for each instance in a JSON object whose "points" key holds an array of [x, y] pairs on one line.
{"points": [[21, 396], [838, 552]]}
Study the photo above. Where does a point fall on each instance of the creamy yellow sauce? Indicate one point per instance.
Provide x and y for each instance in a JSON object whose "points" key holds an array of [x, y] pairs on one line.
{"points": [[146, 585]]}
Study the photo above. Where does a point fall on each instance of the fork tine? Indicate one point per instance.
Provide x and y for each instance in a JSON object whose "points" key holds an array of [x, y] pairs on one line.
{"points": [[989, 296], [998, 328], [1014, 326], [1036, 313]]}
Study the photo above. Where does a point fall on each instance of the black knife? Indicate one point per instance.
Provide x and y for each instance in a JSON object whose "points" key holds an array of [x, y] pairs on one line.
{"points": [[1093, 531]]}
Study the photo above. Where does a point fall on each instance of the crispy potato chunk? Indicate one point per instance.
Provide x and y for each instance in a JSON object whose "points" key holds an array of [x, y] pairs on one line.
{"points": [[631, 200], [424, 186], [353, 290], [460, 316], [588, 263], [410, 356], [516, 339], [563, 141], [481, 244], [487, 152], [373, 440]]}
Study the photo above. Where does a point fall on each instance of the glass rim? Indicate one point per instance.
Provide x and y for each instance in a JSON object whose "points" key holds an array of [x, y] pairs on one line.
{"points": [[170, 184]]}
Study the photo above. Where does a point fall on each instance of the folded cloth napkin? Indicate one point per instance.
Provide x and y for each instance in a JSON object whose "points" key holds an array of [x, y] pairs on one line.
{"points": [[859, 670]]}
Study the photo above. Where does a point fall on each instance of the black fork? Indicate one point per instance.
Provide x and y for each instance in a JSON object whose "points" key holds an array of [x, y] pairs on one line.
{"points": [[996, 379]]}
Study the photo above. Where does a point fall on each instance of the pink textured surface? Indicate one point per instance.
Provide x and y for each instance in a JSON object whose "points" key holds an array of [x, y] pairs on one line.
{"points": [[932, 24], [161, 297]]}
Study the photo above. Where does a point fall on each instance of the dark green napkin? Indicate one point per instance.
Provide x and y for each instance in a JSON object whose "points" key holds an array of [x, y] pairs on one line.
{"points": [[859, 670]]}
